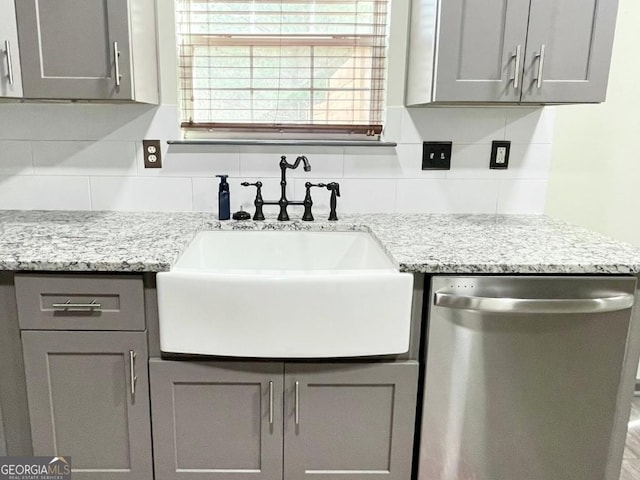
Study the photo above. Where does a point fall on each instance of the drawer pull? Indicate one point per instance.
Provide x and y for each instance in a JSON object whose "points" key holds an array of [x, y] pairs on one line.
{"points": [[7, 51], [116, 61], [270, 403], [297, 403], [132, 372], [78, 307]]}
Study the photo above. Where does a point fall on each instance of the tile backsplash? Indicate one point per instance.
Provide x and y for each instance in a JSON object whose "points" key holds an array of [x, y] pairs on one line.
{"points": [[89, 157]]}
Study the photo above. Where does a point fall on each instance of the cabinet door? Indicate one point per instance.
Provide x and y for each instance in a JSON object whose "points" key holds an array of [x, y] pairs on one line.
{"points": [[10, 72], [349, 421], [3, 443], [477, 47], [82, 402], [577, 37], [217, 421], [68, 48]]}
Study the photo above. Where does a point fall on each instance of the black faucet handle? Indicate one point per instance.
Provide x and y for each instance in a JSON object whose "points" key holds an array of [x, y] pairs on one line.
{"points": [[308, 185], [256, 184], [334, 187], [258, 202], [308, 202]]}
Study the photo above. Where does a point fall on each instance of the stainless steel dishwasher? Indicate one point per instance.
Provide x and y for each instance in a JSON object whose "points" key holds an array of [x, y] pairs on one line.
{"points": [[522, 377]]}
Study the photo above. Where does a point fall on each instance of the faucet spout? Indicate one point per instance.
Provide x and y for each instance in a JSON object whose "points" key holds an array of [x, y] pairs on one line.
{"points": [[306, 165]]}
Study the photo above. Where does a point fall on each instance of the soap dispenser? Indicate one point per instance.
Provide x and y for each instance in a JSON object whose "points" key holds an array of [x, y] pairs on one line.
{"points": [[224, 208]]}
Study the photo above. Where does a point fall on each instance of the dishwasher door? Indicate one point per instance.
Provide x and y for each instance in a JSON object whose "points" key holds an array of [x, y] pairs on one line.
{"points": [[522, 377]]}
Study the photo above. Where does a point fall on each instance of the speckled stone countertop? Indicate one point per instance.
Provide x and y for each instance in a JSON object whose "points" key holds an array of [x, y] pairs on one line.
{"points": [[461, 244]]}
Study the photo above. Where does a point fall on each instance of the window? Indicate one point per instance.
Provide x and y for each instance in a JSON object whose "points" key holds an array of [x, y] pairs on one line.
{"points": [[292, 65]]}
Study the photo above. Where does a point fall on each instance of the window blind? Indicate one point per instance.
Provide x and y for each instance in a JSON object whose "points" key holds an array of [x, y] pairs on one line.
{"points": [[282, 64]]}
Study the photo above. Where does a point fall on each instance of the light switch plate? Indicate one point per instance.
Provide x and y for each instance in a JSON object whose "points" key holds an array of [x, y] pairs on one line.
{"points": [[436, 155]]}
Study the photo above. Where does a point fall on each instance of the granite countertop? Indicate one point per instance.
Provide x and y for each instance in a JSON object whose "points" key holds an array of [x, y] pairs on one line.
{"points": [[461, 244]]}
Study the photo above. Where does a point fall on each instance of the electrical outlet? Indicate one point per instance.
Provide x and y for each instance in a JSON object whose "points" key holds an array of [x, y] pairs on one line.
{"points": [[500, 154], [436, 155], [151, 152]]}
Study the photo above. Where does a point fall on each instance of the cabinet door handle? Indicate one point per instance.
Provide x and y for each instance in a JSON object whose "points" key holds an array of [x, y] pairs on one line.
{"points": [[71, 307], [270, 403], [540, 57], [7, 50], [516, 72], [297, 403], [132, 372], [116, 61]]}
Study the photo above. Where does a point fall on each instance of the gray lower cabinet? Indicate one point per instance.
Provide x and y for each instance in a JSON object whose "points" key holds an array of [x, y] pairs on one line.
{"points": [[352, 421], [230, 420], [3, 442], [216, 421], [89, 399]]}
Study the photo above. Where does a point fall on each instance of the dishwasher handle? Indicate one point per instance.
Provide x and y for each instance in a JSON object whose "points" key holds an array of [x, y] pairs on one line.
{"points": [[534, 305]]}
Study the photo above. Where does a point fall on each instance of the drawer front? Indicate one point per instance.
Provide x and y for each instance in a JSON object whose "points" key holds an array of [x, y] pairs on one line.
{"points": [[80, 302]]}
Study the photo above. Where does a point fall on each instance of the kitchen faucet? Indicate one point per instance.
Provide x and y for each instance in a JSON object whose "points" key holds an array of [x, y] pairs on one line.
{"points": [[283, 202]]}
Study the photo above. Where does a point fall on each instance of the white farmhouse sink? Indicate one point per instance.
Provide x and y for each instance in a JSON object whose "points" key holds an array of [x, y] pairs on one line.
{"points": [[284, 294]]}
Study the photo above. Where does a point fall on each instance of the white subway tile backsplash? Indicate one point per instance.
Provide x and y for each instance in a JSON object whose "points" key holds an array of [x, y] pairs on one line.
{"points": [[522, 196], [362, 196], [371, 162], [529, 161], [58, 121], [205, 194], [472, 161], [119, 122], [15, 121], [456, 124], [447, 196], [141, 194], [262, 161], [31, 192], [15, 158], [81, 156], [530, 124], [410, 160], [392, 130], [196, 161], [84, 158]]}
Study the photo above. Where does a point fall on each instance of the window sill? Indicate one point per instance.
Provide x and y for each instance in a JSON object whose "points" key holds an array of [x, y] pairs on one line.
{"points": [[290, 142]]}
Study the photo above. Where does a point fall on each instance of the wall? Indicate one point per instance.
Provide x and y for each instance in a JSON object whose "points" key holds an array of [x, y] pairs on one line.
{"points": [[596, 169], [88, 156]]}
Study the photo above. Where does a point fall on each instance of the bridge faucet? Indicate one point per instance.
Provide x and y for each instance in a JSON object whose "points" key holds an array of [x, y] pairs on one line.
{"points": [[283, 202]]}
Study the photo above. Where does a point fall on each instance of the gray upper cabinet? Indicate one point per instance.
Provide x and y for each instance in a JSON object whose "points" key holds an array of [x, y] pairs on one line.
{"points": [[92, 50], [217, 421], [543, 51], [568, 50], [89, 399], [10, 71], [352, 421]]}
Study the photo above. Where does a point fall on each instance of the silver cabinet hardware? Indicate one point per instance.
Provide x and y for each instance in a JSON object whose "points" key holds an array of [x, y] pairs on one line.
{"points": [[540, 57], [270, 403], [297, 403], [70, 307], [529, 305], [116, 61], [516, 72], [132, 372], [7, 50]]}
